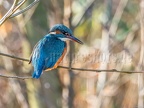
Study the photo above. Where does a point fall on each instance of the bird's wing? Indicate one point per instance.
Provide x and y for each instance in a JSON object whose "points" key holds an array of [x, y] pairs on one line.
{"points": [[32, 53], [47, 52], [53, 65], [54, 51]]}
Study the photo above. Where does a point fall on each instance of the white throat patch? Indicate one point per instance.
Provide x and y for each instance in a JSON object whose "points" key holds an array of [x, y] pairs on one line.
{"points": [[64, 39], [52, 33]]}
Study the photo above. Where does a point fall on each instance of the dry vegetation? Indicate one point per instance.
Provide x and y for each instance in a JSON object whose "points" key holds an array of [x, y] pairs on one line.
{"points": [[113, 33]]}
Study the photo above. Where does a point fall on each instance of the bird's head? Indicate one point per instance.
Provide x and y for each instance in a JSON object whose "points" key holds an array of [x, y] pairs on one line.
{"points": [[67, 33]]}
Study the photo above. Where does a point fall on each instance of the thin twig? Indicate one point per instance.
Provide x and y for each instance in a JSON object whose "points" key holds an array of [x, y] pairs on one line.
{"points": [[101, 70], [16, 5], [25, 9], [17, 77], [80, 69], [6, 16], [14, 57]]}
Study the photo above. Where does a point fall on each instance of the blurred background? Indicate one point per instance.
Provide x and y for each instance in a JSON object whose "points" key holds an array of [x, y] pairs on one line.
{"points": [[113, 36]]}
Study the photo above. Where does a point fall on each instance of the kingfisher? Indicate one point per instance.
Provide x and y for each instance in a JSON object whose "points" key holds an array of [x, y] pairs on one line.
{"points": [[50, 50]]}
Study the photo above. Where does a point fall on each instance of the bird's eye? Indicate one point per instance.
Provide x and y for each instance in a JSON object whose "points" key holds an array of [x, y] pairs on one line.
{"points": [[67, 34]]}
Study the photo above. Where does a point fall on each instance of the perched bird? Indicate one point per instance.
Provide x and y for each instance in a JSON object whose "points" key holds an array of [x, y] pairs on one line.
{"points": [[50, 50]]}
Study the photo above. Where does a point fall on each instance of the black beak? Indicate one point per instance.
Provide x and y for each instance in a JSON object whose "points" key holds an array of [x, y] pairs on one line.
{"points": [[75, 39]]}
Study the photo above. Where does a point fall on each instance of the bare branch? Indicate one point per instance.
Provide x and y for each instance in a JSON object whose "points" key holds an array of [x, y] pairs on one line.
{"points": [[17, 77], [6, 16], [101, 70], [25, 9], [80, 69], [16, 5], [14, 57]]}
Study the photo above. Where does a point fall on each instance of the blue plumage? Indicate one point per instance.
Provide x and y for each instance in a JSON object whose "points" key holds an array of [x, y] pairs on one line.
{"points": [[50, 50], [46, 53]]}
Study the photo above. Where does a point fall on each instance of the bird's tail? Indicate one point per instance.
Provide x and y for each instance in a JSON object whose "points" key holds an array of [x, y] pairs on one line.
{"points": [[36, 74]]}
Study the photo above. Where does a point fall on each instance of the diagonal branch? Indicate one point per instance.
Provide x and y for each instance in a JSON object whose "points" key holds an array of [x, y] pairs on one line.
{"points": [[14, 57], [25, 9], [16, 5], [6, 16]]}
